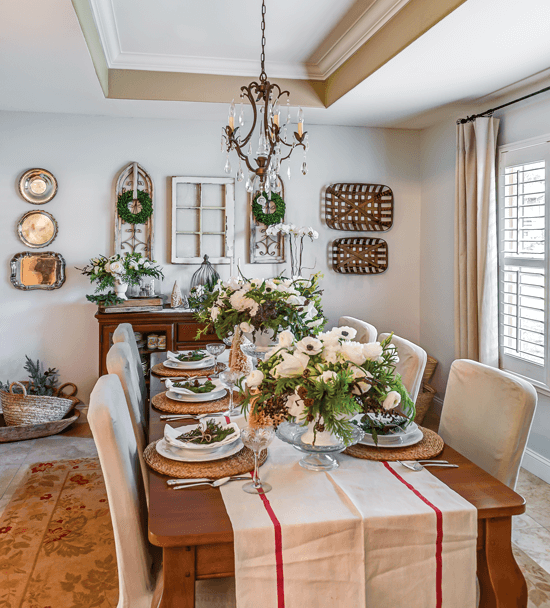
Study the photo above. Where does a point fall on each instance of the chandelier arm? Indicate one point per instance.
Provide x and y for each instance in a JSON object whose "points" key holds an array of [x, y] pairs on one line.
{"points": [[293, 148], [244, 157], [248, 92]]}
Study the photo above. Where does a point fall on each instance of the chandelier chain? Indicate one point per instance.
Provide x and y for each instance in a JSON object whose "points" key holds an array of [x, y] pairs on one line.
{"points": [[263, 75]]}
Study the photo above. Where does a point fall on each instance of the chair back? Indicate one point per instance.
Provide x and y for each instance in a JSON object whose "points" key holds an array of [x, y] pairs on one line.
{"points": [[119, 362], [365, 331], [118, 454], [412, 361], [125, 333], [487, 414]]}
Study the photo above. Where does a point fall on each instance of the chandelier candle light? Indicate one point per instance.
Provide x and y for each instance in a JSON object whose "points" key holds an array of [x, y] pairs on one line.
{"points": [[274, 146]]}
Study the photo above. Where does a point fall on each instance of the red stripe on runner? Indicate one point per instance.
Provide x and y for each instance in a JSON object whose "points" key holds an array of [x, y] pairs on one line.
{"points": [[438, 541], [278, 551]]}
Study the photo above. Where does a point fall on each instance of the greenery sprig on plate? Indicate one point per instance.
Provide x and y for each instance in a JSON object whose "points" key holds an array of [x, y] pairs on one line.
{"points": [[213, 433]]}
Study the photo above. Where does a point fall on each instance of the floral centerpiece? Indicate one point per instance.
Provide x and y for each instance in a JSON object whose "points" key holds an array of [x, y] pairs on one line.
{"points": [[257, 305], [323, 381], [117, 272]]}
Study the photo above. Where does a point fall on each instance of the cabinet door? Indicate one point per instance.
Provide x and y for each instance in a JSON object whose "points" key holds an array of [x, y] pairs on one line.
{"points": [[186, 333]]}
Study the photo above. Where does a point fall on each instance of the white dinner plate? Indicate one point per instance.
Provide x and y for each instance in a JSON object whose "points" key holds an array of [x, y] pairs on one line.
{"points": [[189, 365], [189, 456], [408, 440], [198, 398], [400, 435], [171, 435]]}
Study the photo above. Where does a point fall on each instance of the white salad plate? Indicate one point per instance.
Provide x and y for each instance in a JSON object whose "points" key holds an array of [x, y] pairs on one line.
{"points": [[405, 440], [175, 364], [198, 398], [191, 456]]}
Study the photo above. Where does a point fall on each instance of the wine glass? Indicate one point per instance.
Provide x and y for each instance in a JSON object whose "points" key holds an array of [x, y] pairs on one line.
{"points": [[215, 349], [257, 439], [229, 378], [228, 340]]}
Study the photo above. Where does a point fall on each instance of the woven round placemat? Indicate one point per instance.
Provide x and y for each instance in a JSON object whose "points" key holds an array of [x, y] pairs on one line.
{"points": [[431, 445], [164, 404], [160, 370], [242, 462]]}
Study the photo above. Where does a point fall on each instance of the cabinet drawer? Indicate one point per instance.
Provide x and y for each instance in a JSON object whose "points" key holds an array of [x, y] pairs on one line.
{"points": [[188, 331]]}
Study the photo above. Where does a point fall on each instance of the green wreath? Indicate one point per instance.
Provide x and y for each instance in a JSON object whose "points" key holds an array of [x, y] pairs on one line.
{"points": [[269, 218], [134, 218]]}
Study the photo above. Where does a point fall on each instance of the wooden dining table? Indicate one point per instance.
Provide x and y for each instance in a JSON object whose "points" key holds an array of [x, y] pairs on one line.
{"points": [[194, 530]]}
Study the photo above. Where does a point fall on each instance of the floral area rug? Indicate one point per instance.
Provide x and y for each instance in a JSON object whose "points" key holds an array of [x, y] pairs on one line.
{"points": [[57, 547], [538, 580]]}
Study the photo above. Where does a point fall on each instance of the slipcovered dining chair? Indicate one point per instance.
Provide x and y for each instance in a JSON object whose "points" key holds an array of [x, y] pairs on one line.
{"points": [[119, 363], [139, 576], [118, 453], [412, 361], [125, 333], [487, 414], [365, 331]]}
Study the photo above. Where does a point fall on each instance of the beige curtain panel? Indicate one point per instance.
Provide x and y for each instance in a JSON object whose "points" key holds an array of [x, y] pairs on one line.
{"points": [[476, 258]]}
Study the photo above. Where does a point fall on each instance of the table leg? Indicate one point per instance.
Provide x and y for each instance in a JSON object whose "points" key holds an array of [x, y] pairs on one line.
{"points": [[501, 581], [179, 577]]}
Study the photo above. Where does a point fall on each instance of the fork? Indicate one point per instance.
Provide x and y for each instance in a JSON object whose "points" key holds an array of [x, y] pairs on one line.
{"points": [[176, 483], [175, 417], [416, 466]]}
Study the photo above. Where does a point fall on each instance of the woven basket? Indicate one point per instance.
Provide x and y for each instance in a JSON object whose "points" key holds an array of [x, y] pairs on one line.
{"points": [[36, 409], [424, 402], [429, 369]]}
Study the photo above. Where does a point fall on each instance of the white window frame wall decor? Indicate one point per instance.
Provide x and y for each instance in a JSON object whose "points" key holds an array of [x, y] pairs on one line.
{"points": [[227, 186], [524, 277]]}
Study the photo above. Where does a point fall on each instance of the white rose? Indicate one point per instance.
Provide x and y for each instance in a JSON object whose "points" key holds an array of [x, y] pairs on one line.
{"points": [[286, 338], [296, 300], [214, 312], [107, 267], [328, 376], [232, 283], [359, 372], [330, 353], [246, 327], [392, 400], [292, 365], [348, 333], [295, 406], [372, 350], [254, 379], [330, 337], [116, 268], [309, 345], [353, 351]]}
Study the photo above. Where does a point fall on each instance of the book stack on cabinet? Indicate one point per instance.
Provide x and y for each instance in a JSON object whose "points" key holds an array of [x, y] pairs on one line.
{"points": [[136, 305]]}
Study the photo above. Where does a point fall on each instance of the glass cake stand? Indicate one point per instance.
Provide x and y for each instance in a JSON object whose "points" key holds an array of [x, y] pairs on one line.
{"points": [[317, 458]]}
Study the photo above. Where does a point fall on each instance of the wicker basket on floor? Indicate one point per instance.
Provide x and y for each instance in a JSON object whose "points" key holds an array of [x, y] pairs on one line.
{"points": [[429, 370], [20, 409], [424, 402]]}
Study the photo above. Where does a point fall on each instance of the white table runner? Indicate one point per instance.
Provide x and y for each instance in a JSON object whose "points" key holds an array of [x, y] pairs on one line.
{"points": [[366, 535]]}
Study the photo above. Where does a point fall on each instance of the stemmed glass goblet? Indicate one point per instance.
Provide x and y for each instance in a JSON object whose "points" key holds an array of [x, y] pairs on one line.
{"points": [[257, 439], [215, 349], [229, 378]]}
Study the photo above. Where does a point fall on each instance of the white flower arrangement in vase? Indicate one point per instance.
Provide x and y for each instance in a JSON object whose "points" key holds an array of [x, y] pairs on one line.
{"points": [[323, 381], [296, 242]]}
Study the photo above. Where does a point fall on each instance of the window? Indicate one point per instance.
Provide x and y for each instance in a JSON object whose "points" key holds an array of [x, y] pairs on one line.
{"points": [[203, 219], [523, 259]]}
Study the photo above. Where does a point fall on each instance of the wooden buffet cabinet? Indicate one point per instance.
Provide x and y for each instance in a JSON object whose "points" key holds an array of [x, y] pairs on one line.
{"points": [[180, 329]]}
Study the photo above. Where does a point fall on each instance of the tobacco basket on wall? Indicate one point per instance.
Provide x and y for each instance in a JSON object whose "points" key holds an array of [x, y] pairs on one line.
{"points": [[359, 255], [130, 238], [359, 207]]}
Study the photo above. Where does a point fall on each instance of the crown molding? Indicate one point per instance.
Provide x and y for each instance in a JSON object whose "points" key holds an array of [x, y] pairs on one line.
{"points": [[330, 55], [372, 19]]}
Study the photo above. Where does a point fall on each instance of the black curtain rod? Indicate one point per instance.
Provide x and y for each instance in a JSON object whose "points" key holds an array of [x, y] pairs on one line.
{"points": [[462, 121]]}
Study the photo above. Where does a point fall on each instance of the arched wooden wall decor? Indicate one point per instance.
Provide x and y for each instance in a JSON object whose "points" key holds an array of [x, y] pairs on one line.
{"points": [[134, 237], [359, 207], [265, 249], [359, 255]]}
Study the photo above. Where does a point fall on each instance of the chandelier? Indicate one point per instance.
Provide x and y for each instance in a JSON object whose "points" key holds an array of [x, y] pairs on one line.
{"points": [[274, 142]]}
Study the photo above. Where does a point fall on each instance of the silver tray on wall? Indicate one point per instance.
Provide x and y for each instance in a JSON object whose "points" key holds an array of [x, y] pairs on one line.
{"points": [[37, 270], [37, 186], [37, 229]]}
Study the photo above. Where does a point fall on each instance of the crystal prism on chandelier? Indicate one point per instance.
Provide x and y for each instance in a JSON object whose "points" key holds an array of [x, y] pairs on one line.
{"points": [[275, 142]]}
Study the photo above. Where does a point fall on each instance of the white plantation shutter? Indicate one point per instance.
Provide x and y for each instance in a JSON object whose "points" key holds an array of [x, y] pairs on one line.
{"points": [[524, 179]]}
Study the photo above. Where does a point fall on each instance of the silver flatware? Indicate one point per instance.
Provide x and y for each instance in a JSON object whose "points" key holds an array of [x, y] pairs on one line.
{"points": [[175, 417], [177, 482], [212, 484], [416, 466]]}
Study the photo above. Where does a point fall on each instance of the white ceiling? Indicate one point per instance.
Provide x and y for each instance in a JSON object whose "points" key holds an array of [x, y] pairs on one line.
{"points": [[482, 46]]}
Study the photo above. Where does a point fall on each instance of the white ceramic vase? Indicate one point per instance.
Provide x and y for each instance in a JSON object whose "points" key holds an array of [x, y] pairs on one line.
{"points": [[120, 289]]}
